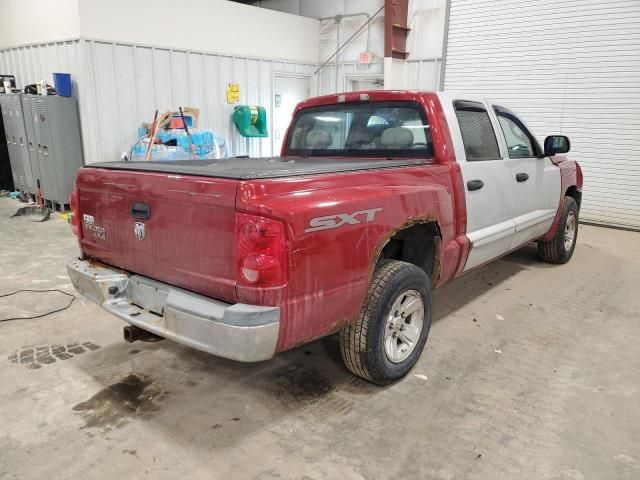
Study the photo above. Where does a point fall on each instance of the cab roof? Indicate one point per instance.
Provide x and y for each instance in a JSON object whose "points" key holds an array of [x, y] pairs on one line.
{"points": [[365, 95]]}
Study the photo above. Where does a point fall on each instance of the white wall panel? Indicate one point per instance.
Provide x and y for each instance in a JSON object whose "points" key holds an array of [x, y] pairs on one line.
{"points": [[220, 26], [334, 35], [25, 22], [125, 100], [566, 67], [333, 77], [423, 74], [109, 132], [33, 63], [118, 86], [426, 20], [166, 79]]}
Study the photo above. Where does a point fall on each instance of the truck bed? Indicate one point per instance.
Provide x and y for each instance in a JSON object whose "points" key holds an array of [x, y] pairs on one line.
{"points": [[243, 168]]}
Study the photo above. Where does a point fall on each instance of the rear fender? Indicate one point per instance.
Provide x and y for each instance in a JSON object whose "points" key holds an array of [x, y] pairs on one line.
{"points": [[337, 225], [427, 220]]}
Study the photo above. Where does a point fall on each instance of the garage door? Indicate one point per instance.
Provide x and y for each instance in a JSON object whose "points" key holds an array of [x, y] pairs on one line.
{"points": [[570, 67]]}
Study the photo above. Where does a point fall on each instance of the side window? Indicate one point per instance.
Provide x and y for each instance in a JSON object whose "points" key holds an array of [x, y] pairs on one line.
{"points": [[477, 132], [520, 142]]}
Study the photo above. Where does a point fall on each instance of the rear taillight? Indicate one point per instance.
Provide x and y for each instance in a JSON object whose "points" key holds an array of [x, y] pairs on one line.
{"points": [[73, 204], [260, 251]]}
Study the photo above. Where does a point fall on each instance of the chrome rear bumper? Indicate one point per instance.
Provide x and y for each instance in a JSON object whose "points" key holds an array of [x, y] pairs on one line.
{"points": [[246, 333]]}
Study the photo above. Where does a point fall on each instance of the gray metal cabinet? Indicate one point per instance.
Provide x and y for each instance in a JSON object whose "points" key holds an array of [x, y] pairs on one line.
{"points": [[17, 168], [30, 131], [43, 136], [58, 145], [19, 137], [46, 167]]}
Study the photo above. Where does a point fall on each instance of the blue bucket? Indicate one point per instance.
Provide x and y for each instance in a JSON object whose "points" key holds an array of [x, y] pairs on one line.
{"points": [[62, 82]]}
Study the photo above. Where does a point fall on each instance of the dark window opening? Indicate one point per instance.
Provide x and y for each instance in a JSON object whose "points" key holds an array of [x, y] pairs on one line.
{"points": [[478, 136]]}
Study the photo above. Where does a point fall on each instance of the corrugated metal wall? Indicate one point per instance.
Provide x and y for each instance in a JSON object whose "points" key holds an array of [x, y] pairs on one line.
{"points": [[566, 67], [120, 85], [423, 74], [32, 63], [420, 75]]}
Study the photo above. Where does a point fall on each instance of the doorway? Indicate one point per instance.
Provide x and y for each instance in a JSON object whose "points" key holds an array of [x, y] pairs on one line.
{"points": [[288, 91]]}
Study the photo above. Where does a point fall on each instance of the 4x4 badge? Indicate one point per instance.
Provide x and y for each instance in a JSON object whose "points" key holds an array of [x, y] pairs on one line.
{"points": [[139, 230]]}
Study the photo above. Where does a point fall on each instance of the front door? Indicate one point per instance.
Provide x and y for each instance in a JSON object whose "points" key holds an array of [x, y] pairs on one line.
{"points": [[488, 185], [536, 180]]}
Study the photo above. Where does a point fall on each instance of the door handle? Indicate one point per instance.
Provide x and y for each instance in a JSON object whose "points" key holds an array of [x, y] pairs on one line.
{"points": [[474, 185], [140, 210], [522, 177]]}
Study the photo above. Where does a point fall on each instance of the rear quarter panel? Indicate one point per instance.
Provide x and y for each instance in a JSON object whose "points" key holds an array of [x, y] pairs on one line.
{"points": [[330, 270]]}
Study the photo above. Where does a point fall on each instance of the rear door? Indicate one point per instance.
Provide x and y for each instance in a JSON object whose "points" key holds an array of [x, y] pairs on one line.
{"points": [[487, 180], [535, 178]]}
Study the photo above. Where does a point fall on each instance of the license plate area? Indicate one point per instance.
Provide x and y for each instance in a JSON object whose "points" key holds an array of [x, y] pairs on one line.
{"points": [[147, 294]]}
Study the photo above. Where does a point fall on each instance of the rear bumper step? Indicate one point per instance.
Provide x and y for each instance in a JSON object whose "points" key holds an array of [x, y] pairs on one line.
{"points": [[246, 333]]}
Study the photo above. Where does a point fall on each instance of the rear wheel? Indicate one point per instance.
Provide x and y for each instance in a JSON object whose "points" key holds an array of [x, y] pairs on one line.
{"points": [[560, 248], [386, 340]]}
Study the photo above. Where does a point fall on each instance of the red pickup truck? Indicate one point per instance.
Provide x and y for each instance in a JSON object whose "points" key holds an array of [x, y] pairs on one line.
{"points": [[378, 198]]}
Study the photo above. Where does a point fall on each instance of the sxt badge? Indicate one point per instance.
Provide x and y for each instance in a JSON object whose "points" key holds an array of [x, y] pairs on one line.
{"points": [[340, 219]]}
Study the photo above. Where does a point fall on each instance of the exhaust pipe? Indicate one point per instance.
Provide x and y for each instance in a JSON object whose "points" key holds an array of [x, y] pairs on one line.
{"points": [[132, 334]]}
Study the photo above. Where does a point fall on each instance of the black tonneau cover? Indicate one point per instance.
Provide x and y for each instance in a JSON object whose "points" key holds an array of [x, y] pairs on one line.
{"points": [[243, 168]]}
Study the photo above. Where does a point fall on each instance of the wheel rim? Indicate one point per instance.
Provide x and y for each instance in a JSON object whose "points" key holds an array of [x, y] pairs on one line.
{"points": [[570, 231], [403, 326]]}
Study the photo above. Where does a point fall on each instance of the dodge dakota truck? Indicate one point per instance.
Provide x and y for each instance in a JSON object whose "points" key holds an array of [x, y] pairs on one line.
{"points": [[377, 198]]}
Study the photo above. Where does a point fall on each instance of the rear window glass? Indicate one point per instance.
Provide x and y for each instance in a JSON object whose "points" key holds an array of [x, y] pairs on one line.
{"points": [[366, 129]]}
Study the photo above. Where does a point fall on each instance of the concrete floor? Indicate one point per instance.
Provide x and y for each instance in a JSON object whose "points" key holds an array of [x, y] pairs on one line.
{"points": [[531, 371]]}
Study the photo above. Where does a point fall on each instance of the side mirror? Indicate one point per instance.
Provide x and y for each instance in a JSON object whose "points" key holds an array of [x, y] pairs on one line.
{"points": [[555, 144]]}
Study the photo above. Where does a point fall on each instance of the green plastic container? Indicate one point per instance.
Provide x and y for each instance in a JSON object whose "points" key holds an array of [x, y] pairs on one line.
{"points": [[251, 120]]}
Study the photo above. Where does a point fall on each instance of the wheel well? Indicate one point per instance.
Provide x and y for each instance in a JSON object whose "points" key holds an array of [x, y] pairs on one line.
{"points": [[574, 193], [417, 244]]}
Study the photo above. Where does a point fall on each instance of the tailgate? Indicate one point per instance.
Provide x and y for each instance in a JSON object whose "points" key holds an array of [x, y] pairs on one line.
{"points": [[173, 228]]}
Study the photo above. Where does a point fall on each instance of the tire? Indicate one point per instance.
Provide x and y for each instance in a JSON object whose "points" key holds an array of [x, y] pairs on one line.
{"points": [[367, 345], [560, 248]]}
